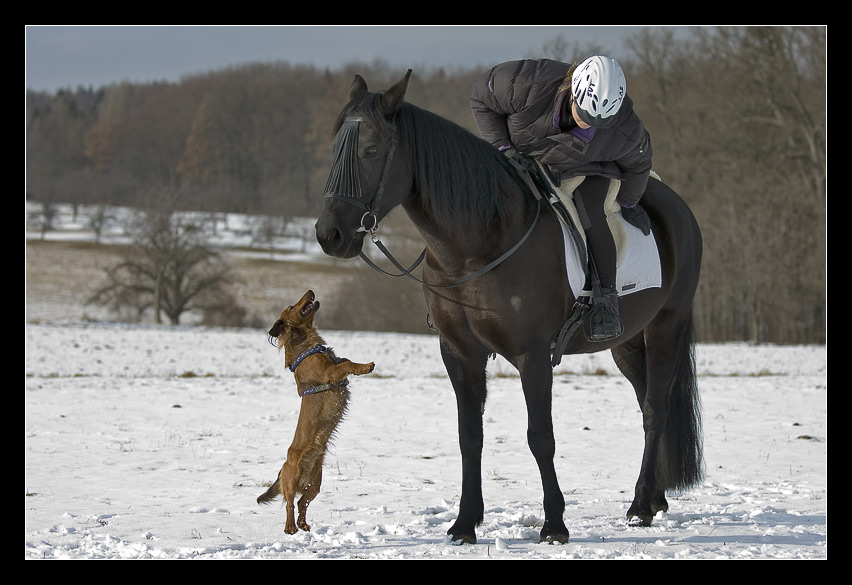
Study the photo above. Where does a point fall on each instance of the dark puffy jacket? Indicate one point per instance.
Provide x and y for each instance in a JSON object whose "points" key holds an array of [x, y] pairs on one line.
{"points": [[517, 103]]}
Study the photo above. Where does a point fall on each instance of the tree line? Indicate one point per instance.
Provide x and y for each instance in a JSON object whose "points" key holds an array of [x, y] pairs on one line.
{"points": [[737, 117]]}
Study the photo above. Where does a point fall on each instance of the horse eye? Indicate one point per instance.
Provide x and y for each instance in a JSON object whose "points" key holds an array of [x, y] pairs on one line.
{"points": [[371, 151]]}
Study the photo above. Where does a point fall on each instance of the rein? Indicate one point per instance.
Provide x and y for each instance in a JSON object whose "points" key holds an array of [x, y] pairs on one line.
{"points": [[338, 179], [407, 271]]}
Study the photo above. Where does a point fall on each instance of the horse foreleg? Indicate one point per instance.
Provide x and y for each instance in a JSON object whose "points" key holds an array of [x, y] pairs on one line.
{"points": [[468, 379], [537, 380]]}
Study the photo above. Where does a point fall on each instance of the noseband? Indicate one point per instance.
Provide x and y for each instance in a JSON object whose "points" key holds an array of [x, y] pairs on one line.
{"points": [[344, 183]]}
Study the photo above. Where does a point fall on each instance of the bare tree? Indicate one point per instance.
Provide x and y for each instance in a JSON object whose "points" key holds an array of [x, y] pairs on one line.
{"points": [[100, 220], [265, 230], [45, 219], [738, 119], [168, 269]]}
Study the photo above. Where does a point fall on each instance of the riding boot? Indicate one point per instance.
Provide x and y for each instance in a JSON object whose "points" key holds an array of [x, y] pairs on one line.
{"points": [[603, 321]]}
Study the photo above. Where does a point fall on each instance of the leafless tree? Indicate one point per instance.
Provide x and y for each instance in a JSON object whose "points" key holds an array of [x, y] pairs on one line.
{"points": [[168, 269]]}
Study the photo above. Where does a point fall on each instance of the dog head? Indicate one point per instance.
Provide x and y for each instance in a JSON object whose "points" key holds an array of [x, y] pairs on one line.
{"points": [[295, 321]]}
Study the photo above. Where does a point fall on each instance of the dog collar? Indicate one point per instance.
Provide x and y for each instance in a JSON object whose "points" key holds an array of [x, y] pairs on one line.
{"points": [[310, 352]]}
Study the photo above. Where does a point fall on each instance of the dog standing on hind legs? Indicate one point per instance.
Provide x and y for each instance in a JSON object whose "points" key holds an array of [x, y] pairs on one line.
{"points": [[321, 380]]}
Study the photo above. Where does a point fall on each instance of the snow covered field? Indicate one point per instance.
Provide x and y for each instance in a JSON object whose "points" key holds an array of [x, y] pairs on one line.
{"points": [[153, 443]]}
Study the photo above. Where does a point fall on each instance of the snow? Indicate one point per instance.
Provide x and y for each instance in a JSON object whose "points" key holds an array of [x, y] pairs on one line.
{"points": [[145, 442]]}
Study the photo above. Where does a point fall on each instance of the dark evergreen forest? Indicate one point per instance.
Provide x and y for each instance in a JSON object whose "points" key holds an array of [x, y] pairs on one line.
{"points": [[737, 117]]}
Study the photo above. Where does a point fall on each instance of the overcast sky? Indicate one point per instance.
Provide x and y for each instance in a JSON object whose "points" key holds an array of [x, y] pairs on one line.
{"points": [[71, 56]]}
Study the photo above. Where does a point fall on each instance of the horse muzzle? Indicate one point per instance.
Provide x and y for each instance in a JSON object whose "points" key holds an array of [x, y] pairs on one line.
{"points": [[338, 243]]}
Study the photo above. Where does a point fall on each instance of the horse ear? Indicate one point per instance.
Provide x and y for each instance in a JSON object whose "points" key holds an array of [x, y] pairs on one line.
{"points": [[358, 87], [392, 98]]}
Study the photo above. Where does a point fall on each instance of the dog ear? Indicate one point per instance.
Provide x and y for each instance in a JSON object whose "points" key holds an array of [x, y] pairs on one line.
{"points": [[276, 328], [275, 331]]}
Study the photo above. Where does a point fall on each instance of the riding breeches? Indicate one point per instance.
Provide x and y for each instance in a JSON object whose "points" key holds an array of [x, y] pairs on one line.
{"points": [[592, 194]]}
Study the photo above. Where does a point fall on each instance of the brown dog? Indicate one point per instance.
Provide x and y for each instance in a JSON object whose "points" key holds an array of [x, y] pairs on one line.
{"points": [[321, 380]]}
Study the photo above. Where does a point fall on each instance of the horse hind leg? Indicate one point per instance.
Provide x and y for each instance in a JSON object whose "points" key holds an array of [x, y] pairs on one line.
{"points": [[630, 359], [663, 375]]}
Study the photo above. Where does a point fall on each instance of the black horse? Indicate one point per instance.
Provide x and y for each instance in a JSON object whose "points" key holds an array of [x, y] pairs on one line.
{"points": [[471, 207]]}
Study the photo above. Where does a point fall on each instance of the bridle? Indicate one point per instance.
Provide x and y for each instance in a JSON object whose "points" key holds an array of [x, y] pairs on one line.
{"points": [[371, 208]]}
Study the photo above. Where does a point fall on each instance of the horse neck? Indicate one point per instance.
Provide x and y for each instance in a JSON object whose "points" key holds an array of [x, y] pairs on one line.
{"points": [[471, 201], [476, 241]]}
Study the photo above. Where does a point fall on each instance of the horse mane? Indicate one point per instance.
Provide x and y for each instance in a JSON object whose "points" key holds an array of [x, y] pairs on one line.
{"points": [[462, 180]]}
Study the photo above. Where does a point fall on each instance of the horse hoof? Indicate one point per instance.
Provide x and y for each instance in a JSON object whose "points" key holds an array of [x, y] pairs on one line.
{"points": [[462, 537], [554, 538], [641, 520], [554, 532], [643, 515]]}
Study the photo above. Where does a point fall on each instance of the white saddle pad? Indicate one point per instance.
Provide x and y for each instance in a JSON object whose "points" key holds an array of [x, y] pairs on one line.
{"points": [[638, 256]]}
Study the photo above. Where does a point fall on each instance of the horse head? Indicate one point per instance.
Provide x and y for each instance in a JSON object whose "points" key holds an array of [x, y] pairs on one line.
{"points": [[366, 179]]}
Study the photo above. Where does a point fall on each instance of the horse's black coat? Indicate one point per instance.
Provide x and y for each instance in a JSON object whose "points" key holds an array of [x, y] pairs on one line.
{"points": [[470, 206]]}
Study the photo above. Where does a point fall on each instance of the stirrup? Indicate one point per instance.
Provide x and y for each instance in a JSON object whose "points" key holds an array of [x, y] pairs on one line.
{"points": [[603, 322], [575, 319]]}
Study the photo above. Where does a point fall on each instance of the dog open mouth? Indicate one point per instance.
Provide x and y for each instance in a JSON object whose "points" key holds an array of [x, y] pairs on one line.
{"points": [[310, 306]]}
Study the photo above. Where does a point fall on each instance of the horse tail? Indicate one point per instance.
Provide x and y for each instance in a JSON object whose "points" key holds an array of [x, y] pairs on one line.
{"points": [[680, 464]]}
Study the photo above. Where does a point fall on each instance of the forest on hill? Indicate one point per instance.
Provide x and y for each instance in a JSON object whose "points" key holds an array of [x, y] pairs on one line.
{"points": [[737, 115]]}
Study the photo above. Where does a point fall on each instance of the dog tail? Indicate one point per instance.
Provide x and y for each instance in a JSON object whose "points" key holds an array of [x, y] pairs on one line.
{"points": [[273, 492]]}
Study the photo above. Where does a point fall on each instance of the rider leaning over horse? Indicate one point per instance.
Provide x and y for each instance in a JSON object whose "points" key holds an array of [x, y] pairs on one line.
{"points": [[576, 120]]}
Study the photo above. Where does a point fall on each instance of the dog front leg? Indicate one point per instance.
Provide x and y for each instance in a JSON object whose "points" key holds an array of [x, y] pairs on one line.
{"points": [[347, 367]]}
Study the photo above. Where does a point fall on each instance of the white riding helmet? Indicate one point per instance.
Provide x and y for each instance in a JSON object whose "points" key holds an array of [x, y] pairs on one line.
{"points": [[599, 87]]}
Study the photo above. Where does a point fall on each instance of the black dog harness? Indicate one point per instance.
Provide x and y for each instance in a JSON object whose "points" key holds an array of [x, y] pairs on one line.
{"points": [[321, 387]]}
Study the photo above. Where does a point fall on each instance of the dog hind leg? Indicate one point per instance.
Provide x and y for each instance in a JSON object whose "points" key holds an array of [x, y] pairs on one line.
{"points": [[290, 523], [308, 495], [288, 485]]}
